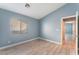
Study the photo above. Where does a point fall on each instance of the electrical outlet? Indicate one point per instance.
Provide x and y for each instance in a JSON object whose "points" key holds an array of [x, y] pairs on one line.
{"points": [[9, 41]]}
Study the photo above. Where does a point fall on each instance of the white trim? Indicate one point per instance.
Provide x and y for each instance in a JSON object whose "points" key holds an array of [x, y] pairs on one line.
{"points": [[69, 22], [61, 30], [12, 45], [68, 16], [61, 23], [50, 40], [15, 44], [76, 32]]}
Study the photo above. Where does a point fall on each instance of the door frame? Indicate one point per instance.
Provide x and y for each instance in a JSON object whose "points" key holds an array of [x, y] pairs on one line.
{"points": [[62, 27]]}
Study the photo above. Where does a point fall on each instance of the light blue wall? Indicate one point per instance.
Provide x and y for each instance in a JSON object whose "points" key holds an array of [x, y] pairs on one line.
{"points": [[69, 31], [51, 24], [6, 35], [48, 27], [69, 28]]}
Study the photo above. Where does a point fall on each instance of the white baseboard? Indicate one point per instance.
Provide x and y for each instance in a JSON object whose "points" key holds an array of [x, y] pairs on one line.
{"points": [[50, 40], [15, 44]]}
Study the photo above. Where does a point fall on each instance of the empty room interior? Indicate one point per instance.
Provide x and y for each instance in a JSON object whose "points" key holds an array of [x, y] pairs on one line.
{"points": [[38, 28]]}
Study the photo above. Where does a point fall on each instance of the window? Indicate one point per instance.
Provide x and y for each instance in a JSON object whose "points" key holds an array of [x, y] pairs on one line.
{"points": [[18, 26]]}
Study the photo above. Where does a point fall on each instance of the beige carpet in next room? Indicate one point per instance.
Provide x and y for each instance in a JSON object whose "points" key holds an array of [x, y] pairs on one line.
{"points": [[38, 47]]}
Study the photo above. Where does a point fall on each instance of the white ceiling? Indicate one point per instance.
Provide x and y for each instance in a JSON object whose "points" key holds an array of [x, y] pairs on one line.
{"points": [[37, 10]]}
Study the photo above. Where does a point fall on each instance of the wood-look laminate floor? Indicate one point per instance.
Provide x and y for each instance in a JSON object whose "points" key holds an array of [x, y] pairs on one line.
{"points": [[38, 47]]}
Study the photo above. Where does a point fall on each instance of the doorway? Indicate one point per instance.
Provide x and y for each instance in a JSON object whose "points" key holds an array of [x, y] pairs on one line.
{"points": [[68, 32]]}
